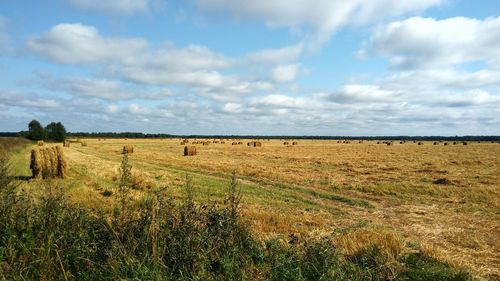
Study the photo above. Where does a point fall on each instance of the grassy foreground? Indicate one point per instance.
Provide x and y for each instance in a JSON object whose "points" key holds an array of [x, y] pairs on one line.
{"points": [[44, 236]]}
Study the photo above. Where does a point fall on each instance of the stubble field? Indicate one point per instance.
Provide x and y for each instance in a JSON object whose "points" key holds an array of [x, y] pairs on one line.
{"points": [[443, 198]]}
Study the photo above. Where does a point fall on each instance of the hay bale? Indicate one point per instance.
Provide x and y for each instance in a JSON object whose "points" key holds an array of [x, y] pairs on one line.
{"points": [[128, 149], [40, 143], [234, 143], [48, 162], [285, 143], [454, 142], [435, 143], [295, 143], [420, 143], [257, 144], [222, 142], [189, 150], [464, 143], [240, 142], [84, 143], [445, 143], [66, 143], [205, 142]]}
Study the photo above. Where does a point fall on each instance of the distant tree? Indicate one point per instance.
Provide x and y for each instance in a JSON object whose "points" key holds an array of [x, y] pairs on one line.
{"points": [[35, 131], [56, 131]]}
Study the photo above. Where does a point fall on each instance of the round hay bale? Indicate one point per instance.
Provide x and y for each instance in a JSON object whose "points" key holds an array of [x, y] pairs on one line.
{"points": [[36, 164], [48, 163], [257, 144], [420, 143], [66, 143], [234, 143], [240, 142], [189, 150], [464, 143], [435, 143], [84, 143], [128, 149], [295, 143], [285, 143], [445, 143], [40, 143]]}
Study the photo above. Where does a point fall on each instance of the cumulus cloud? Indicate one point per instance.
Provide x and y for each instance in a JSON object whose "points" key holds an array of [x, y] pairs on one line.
{"points": [[193, 65], [285, 73], [81, 44], [28, 100], [119, 7], [277, 55], [427, 42], [319, 18]]}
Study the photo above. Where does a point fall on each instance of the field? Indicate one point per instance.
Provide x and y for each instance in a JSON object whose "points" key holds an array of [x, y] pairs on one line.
{"points": [[445, 199]]}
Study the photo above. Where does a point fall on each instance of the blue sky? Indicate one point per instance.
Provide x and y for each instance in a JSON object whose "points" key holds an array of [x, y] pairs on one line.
{"points": [[315, 67]]}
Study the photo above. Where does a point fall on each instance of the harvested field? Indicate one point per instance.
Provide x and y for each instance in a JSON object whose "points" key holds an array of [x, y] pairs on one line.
{"points": [[444, 197]]}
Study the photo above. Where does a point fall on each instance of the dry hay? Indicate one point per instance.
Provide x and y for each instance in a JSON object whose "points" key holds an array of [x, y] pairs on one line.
{"points": [[295, 143], [84, 143], [215, 141], [378, 142], [464, 143], [48, 163], [454, 142], [285, 143], [40, 143], [254, 144], [66, 143], [222, 142], [240, 142], [420, 143], [128, 149], [189, 150], [205, 142], [234, 143], [445, 143], [435, 143]]}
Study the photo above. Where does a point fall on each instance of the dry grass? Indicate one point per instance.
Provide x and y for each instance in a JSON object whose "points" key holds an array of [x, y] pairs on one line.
{"points": [[321, 186]]}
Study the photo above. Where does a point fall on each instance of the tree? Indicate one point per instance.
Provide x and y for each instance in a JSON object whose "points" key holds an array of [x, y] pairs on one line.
{"points": [[56, 131], [36, 131]]}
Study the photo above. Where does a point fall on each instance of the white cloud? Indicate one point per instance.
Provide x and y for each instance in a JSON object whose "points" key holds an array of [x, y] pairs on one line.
{"points": [[355, 93], [99, 88], [119, 7], [427, 42], [319, 18], [29, 100], [276, 56], [285, 73], [80, 44]]}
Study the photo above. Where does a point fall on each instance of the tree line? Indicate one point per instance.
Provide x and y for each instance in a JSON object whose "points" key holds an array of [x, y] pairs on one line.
{"points": [[54, 131]]}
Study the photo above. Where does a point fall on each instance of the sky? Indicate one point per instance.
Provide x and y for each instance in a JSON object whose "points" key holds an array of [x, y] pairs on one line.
{"points": [[255, 67]]}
